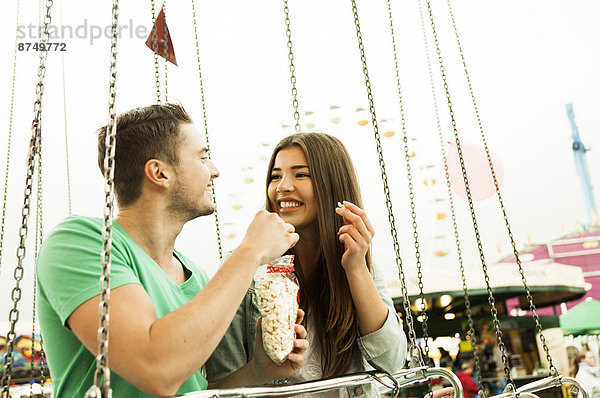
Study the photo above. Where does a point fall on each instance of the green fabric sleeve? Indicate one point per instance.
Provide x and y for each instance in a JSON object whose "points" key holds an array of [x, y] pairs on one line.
{"points": [[69, 267]]}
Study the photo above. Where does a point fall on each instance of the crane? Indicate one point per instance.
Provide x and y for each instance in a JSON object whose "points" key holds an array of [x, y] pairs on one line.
{"points": [[579, 151]]}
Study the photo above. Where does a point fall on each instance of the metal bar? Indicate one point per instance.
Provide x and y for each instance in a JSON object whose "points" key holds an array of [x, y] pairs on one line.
{"points": [[405, 378], [575, 385], [539, 385], [514, 395]]}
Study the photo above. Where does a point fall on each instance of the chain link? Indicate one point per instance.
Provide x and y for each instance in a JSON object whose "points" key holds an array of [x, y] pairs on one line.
{"points": [[155, 52], [412, 336], [288, 33], [102, 388], [491, 300], [452, 209], [423, 314], [64, 91], [39, 220], [39, 232], [31, 161], [9, 140], [166, 40], [214, 195], [38, 242], [552, 371]]}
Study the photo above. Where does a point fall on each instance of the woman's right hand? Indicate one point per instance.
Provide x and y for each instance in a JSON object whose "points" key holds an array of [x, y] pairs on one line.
{"points": [[268, 370]]}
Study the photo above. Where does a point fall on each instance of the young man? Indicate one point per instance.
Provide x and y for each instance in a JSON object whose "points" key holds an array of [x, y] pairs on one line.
{"points": [[165, 317]]}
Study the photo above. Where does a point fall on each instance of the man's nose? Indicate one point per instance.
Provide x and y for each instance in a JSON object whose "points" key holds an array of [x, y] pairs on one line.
{"points": [[214, 172]]}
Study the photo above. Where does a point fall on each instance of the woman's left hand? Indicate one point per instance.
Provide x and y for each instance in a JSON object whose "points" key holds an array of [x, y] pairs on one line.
{"points": [[356, 235]]}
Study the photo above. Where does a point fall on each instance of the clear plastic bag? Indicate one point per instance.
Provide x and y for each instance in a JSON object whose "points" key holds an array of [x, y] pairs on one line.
{"points": [[277, 289]]}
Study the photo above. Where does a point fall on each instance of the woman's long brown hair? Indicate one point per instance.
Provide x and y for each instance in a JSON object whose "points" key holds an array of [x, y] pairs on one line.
{"points": [[580, 356], [327, 299]]}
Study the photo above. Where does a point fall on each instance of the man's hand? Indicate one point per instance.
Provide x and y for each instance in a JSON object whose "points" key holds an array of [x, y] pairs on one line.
{"points": [[268, 369], [268, 236]]}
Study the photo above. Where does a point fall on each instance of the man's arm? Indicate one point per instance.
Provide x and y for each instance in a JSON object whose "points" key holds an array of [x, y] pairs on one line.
{"points": [[159, 355]]}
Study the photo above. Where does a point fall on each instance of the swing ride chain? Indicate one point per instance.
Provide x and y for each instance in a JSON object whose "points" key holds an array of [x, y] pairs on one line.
{"points": [[38, 242], [102, 369], [510, 387], [288, 33], [32, 153], [166, 40], [405, 302], [9, 140], [39, 234], [452, 209], [205, 120], [67, 161], [155, 51], [37, 237], [552, 371], [424, 317]]}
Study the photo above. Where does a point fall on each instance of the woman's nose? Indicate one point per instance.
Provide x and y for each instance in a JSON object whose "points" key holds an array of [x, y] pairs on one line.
{"points": [[285, 185]]}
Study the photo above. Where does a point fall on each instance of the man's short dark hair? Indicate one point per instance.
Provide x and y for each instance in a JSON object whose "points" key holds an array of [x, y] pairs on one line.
{"points": [[145, 133]]}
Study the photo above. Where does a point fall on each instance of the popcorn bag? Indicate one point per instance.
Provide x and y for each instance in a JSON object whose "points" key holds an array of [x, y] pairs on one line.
{"points": [[276, 289]]}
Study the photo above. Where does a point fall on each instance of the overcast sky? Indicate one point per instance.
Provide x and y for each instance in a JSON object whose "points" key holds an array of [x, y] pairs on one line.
{"points": [[527, 60]]}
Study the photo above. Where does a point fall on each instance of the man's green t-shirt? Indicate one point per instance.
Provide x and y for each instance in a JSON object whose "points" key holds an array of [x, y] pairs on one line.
{"points": [[68, 269]]}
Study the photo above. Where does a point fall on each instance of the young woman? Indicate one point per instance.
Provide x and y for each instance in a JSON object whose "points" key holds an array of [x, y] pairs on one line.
{"points": [[350, 319], [587, 373]]}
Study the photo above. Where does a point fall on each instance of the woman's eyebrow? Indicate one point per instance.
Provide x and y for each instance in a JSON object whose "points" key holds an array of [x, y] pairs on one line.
{"points": [[293, 168]]}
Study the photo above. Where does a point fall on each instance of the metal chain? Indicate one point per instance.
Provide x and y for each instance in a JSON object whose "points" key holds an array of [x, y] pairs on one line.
{"points": [[166, 40], [32, 153], [510, 383], [552, 371], [43, 363], [9, 140], [39, 217], [423, 314], [38, 242], [39, 222], [102, 388], [412, 336], [155, 53], [288, 33], [206, 137], [452, 209], [62, 62]]}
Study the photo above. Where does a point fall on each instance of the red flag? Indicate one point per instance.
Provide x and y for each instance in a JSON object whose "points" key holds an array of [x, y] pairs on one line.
{"points": [[160, 39]]}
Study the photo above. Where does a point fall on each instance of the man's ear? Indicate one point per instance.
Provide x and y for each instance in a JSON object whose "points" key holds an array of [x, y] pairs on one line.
{"points": [[158, 173]]}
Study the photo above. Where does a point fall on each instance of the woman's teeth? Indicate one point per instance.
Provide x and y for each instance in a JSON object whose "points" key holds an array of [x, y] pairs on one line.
{"points": [[289, 205]]}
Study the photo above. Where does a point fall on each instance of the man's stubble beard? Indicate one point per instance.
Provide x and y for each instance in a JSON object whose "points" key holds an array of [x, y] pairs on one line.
{"points": [[185, 207]]}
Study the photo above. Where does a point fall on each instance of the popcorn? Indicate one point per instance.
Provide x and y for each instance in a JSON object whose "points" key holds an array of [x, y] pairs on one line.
{"points": [[277, 300]]}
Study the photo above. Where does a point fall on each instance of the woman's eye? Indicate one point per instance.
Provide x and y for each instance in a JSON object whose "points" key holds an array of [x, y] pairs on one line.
{"points": [[302, 175], [275, 177]]}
